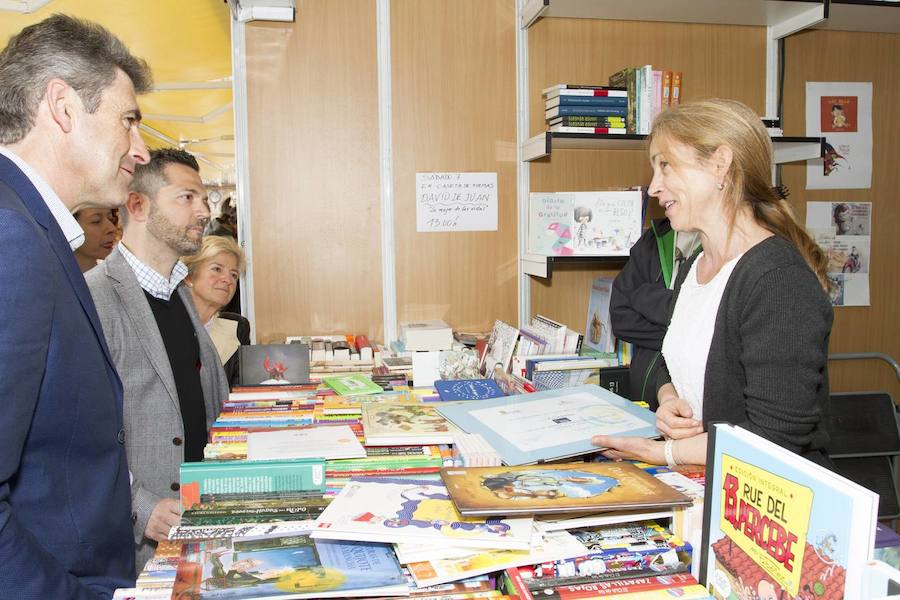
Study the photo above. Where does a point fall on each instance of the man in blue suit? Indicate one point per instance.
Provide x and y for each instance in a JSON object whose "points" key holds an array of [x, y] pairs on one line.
{"points": [[68, 139]]}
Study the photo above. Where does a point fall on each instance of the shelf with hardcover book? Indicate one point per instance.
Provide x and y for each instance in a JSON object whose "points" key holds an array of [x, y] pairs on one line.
{"points": [[787, 149], [844, 15]]}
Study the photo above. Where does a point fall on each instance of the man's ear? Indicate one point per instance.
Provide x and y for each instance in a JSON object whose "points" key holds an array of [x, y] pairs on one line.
{"points": [[137, 206], [59, 98]]}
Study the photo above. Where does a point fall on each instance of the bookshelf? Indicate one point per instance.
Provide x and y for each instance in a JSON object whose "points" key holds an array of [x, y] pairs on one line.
{"points": [[787, 149], [779, 19]]}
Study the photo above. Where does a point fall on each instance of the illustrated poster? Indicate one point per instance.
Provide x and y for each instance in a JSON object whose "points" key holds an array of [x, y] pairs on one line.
{"points": [[842, 114], [843, 231]]}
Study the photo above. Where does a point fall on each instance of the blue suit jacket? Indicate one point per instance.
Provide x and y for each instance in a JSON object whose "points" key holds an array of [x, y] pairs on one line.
{"points": [[65, 504]]}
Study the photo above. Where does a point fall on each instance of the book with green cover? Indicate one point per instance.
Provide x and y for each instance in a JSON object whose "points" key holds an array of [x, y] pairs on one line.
{"points": [[300, 475], [353, 384]]}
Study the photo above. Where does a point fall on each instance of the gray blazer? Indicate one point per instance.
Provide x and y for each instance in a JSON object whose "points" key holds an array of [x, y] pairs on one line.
{"points": [[154, 432]]}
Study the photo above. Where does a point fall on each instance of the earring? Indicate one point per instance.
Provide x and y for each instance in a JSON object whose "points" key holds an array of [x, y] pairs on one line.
{"points": [[720, 186]]}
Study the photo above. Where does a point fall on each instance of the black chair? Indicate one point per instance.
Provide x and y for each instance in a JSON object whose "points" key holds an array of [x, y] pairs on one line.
{"points": [[865, 440]]}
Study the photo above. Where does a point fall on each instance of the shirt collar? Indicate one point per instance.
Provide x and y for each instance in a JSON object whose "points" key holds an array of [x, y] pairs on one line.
{"points": [[71, 229], [158, 286]]}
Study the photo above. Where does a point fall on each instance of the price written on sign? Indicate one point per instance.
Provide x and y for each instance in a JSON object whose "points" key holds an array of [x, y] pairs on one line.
{"points": [[456, 202]]}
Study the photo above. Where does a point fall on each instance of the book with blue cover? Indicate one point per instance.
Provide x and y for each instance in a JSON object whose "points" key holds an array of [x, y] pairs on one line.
{"points": [[467, 389], [532, 428], [288, 566]]}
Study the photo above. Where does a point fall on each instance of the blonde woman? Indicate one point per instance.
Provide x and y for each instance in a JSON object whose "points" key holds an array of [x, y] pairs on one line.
{"points": [[747, 339], [213, 275]]}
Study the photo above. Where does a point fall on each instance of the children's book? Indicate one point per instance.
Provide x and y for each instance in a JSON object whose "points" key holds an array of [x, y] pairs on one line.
{"points": [[389, 424], [557, 488], [500, 347], [288, 566], [354, 384], [555, 545], [273, 364], [597, 331], [780, 526], [467, 389], [550, 425], [414, 512], [332, 442], [603, 223]]}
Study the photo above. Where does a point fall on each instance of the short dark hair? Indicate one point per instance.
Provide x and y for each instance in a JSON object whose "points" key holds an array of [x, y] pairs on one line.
{"points": [[150, 177], [83, 54]]}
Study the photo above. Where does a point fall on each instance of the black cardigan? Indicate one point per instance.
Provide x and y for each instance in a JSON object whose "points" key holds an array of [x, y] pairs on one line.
{"points": [[767, 364]]}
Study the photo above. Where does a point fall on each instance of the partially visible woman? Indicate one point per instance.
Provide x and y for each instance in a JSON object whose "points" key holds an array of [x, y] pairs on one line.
{"points": [[747, 339], [99, 225], [213, 275]]}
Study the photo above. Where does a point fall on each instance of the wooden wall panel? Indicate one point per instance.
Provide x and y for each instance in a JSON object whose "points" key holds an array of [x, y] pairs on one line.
{"points": [[315, 209], [454, 110], [842, 56], [717, 60]]}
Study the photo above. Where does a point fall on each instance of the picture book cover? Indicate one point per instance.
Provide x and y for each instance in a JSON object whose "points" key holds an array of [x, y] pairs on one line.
{"points": [[467, 389], [550, 425], [556, 545], [416, 512], [389, 424], [557, 488], [550, 224], [274, 364], [354, 384], [780, 526], [597, 331], [500, 347], [288, 566]]}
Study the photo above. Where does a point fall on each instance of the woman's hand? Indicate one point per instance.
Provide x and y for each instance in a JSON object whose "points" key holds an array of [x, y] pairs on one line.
{"points": [[674, 417], [631, 448]]}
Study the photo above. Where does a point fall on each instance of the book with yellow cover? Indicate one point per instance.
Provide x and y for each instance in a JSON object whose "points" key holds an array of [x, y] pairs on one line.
{"points": [[557, 488]]}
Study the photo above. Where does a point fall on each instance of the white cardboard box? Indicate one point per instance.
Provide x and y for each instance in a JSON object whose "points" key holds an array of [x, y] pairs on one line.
{"points": [[426, 335]]}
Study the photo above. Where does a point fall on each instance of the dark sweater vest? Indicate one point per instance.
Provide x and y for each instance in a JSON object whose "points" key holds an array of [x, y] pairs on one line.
{"points": [[183, 349]]}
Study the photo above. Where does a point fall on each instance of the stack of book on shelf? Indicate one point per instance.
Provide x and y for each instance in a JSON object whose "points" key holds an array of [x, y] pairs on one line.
{"points": [[586, 108], [650, 91], [335, 354]]}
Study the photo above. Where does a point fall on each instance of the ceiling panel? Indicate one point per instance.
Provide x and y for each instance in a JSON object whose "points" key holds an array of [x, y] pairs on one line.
{"points": [[185, 41]]}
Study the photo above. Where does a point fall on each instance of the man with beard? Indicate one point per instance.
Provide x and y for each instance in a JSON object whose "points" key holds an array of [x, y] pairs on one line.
{"points": [[174, 382]]}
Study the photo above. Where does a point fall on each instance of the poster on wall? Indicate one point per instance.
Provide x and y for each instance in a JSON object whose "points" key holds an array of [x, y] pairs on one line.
{"points": [[842, 114], [843, 231], [456, 202]]}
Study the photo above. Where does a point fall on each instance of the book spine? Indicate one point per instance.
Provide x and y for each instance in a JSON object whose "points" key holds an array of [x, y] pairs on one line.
{"points": [[606, 92], [667, 89], [591, 111], [513, 584], [676, 88], [614, 101], [635, 587], [582, 121], [606, 130]]}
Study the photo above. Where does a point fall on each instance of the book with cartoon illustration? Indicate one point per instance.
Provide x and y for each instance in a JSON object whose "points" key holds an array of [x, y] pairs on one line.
{"points": [[779, 526], [391, 424], [531, 428], [414, 512], [353, 384], [287, 566], [557, 488]]}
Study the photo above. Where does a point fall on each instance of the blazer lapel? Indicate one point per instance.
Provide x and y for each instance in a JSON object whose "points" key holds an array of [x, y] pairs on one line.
{"points": [[135, 305], [35, 204], [209, 359]]}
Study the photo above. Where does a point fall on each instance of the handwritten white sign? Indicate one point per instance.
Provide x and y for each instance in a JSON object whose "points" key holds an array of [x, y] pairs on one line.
{"points": [[456, 202]]}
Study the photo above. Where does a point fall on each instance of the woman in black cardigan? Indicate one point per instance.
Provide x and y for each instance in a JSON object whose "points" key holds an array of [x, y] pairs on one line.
{"points": [[748, 335]]}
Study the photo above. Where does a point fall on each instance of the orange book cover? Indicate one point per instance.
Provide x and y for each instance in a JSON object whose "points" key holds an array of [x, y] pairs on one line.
{"points": [[667, 88], [677, 87]]}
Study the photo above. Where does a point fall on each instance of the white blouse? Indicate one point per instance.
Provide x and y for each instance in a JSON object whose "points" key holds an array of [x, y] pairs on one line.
{"points": [[687, 341]]}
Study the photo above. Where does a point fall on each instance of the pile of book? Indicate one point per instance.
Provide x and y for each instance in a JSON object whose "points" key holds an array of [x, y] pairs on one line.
{"points": [[586, 108], [331, 354], [650, 91]]}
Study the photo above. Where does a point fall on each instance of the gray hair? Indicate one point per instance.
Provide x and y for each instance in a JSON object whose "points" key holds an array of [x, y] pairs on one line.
{"points": [[83, 54]]}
